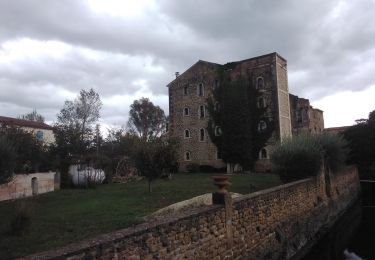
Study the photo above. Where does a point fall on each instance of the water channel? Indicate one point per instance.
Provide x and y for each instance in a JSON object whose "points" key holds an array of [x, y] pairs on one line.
{"points": [[353, 232]]}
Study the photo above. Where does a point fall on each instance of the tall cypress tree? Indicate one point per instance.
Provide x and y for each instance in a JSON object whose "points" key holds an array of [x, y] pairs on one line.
{"points": [[234, 110]]}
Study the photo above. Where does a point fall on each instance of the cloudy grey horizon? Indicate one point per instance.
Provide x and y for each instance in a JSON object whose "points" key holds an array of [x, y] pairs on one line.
{"points": [[125, 50]]}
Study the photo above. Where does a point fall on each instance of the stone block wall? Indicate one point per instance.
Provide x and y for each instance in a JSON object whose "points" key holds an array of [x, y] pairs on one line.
{"points": [[26, 185], [277, 223]]}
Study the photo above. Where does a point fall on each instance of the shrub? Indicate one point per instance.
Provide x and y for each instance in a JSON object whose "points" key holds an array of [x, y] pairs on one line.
{"points": [[7, 159], [21, 219], [301, 156], [335, 150], [192, 168], [297, 158]]}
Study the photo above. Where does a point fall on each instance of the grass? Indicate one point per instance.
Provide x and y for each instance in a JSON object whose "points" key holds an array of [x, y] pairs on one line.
{"points": [[66, 216]]}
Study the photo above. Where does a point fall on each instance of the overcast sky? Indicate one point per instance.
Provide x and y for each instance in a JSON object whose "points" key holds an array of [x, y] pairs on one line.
{"points": [[126, 49]]}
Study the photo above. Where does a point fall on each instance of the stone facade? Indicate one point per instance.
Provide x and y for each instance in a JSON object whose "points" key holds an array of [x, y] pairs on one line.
{"points": [[279, 223], [305, 118], [188, 116]]}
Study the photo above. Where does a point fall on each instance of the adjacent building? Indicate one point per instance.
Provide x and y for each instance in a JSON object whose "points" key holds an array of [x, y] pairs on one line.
{"points": [[42, 131], [188, 117]]}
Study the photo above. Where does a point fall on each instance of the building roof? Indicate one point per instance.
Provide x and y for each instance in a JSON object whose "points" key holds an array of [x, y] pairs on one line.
{"points": [[234, 62], [23, 123]]}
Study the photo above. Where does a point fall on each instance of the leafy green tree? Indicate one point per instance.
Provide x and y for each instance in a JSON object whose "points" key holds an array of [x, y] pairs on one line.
{"points": [[154, 158], [75, 124], [146, 120], [7, 159], [33, 116], [235, 117], [361, 139], [75, 130], [31, 154]]}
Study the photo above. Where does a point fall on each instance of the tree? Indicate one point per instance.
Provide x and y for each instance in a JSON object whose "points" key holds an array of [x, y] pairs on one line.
{"points": [[30, 154], [75, 129], [146, 120], [33, 116], [361, 139], [75, 122], [7, 159], [154, 158], [235, 117]]}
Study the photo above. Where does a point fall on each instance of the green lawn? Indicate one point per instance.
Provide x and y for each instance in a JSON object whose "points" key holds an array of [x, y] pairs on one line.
{"points": [[65, 216]]}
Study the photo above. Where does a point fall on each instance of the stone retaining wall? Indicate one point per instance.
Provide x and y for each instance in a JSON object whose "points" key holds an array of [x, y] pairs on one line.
{"points": [[26, 185], [277, 223]]}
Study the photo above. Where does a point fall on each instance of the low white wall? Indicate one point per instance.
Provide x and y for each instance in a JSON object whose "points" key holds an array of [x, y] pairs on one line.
{"points": [[21, 185]]}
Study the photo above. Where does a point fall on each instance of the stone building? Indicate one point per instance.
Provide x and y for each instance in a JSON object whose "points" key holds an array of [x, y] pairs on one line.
{"points": [[41, 131], [305, 118], [190, 91]]}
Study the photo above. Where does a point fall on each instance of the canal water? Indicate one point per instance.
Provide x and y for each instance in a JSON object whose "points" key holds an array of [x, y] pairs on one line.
{"points": [[353, 233]]}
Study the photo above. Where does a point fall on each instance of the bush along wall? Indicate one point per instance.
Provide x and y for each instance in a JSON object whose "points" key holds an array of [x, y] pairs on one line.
{"points": [[302, 156]]}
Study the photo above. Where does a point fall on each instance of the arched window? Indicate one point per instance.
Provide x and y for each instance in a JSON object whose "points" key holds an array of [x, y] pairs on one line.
{"points": [[260, 83], [185, 90], [202, 111], [187, 156], [200, 89], [218, 131], [262, 126], [263, 154], [187, 133], [261, 103], [186, 111], [202, 135]]}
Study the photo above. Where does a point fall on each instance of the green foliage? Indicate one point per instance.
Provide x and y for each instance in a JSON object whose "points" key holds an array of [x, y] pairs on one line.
{"points": [[234, 109], [7, 159], [335, 150], [21, 220], [146, 120], [154, 158], [361, 138], [192, 167], [301, 156], [75, 128], [31, 155], [297, 158]]}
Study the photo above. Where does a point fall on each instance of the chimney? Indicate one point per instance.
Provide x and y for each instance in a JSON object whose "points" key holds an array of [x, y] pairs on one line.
{"points": [[177, 74]]}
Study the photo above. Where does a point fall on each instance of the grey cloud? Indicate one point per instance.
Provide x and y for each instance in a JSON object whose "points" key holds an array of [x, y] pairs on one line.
{"points": [[329, 46]]}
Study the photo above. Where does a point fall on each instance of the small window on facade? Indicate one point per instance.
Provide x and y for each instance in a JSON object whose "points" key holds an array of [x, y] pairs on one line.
{"points": [[186, 111], [261, 103], [187, 134], [202, 135], [200, 89], [260, 83], [202, 111], [263, 154], [218, 131], [185, 90], [187, 156], [39, 135], [262, 126]]}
